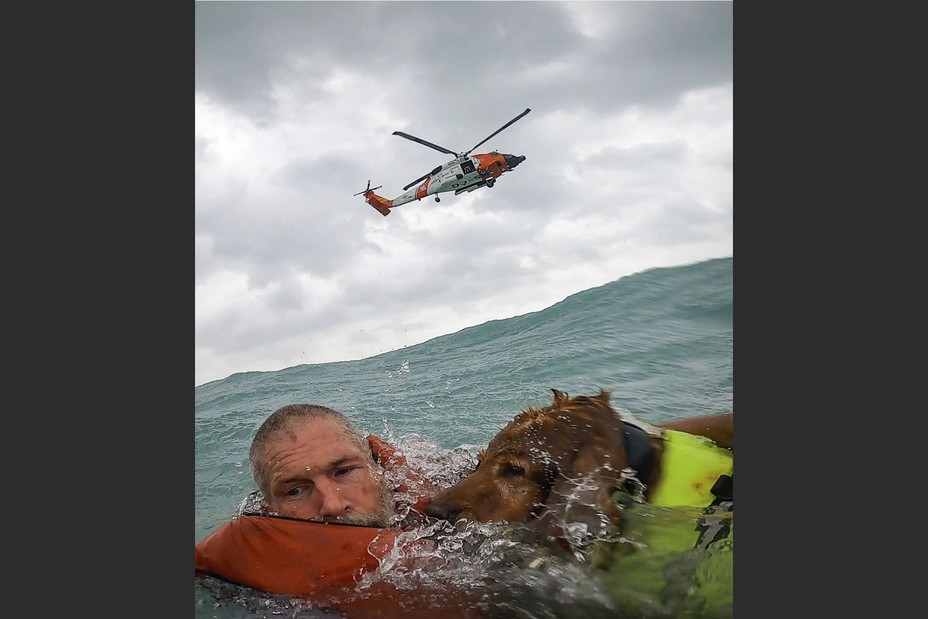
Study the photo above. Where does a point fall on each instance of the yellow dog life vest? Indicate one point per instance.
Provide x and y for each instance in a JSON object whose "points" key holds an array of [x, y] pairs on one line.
{"points": [[690, 466]]}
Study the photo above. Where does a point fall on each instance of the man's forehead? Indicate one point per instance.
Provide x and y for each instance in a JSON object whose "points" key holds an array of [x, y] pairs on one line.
{"points": [[322, 435]]}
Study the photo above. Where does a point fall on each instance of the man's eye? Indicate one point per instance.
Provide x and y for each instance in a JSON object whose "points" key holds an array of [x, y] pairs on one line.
{"points": [[342, 471], [299, 490]]}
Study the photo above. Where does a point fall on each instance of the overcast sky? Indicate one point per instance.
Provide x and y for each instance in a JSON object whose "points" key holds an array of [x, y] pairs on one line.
{"points": [[628, 165]]}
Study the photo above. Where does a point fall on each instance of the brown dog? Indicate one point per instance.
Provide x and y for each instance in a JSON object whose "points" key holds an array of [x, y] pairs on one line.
{"points": [[560, 465]]}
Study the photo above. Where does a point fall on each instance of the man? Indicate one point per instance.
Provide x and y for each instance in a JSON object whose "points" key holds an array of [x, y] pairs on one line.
{"points": [[310, 462], [327, 510]]}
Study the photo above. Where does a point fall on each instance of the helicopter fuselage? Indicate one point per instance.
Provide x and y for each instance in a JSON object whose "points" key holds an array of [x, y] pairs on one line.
{"points": [[462, 174], [465, 172]]}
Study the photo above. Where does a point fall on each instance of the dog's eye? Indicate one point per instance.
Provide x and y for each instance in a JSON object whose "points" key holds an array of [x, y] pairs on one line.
{"points": [[512, 470]]}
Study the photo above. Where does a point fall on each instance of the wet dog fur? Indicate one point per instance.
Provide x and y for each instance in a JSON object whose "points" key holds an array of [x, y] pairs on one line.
{"points": [[559, 467]]}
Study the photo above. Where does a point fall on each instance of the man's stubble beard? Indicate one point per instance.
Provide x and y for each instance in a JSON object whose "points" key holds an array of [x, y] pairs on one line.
{"points": [[382, 514]]}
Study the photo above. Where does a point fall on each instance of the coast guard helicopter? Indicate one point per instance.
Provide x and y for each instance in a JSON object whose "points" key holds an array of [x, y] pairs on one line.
{"points": [[465, 172]]}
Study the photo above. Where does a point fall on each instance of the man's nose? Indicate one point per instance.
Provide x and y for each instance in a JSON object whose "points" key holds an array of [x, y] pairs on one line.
{"points": [[333, 502]]}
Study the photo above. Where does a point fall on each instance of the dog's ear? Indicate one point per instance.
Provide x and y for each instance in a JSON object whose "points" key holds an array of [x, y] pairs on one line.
{"points": [[559, 397]]}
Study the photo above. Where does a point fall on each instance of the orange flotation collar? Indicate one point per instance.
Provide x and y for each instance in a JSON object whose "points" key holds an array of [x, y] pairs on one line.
{"points": [[283, 555]]}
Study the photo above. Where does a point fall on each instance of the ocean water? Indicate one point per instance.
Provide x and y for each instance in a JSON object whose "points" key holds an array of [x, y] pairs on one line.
{"points": [[660, 341]]}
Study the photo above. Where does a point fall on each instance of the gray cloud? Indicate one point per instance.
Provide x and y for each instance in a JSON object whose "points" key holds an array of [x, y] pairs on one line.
{"points": [[628, 146]]}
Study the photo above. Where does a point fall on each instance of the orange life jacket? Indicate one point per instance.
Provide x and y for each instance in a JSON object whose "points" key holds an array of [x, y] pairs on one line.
{"points": [[298, 557]]}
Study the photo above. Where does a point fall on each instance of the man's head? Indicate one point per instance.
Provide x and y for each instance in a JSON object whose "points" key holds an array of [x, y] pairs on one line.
{"points": [[310, 462]]}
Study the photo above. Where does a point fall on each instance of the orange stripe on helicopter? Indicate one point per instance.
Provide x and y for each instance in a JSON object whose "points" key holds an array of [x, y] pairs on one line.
{"points": [[423, 189]]}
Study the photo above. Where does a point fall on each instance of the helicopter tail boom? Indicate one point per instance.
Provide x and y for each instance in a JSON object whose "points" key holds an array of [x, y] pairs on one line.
{"points": [[379, 203]]}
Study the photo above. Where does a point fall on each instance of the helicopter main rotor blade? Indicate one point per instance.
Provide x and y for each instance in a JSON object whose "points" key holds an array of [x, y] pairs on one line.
{"points": [[527, 110], [421, 178], [441, 149]]}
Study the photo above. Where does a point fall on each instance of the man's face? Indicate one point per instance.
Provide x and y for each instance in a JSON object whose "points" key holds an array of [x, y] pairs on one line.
{"points": [[316, 473]]}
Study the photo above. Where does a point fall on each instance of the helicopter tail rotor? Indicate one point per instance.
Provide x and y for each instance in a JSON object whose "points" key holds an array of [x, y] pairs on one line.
{"points": [[378, 202], [365, 192]]}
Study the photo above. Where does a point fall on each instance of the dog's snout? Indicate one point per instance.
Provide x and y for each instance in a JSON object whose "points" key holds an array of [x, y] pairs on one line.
{"points": [[442, 510]]}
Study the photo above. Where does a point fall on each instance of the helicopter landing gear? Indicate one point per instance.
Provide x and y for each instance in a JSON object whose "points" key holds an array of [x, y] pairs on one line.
{"points": [[437, 199], [491, 182]]}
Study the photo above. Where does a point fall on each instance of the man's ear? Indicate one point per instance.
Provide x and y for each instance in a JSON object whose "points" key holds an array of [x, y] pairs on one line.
{"points": [[265, 508]]}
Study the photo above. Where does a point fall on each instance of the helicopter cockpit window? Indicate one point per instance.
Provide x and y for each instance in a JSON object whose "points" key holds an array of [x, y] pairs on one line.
{"points": [[467, 167]]}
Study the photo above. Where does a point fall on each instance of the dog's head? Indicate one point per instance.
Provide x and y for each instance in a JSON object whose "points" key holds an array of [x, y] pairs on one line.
{"points": [[557, 466]]}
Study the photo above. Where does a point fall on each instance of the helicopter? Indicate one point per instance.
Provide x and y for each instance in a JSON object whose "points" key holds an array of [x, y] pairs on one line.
{"points": [[465, 172]]}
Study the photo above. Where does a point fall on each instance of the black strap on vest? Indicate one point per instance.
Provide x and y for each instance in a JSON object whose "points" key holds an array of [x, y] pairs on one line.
{"points": [[639, 452], [723, 489], [641, 459]]}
